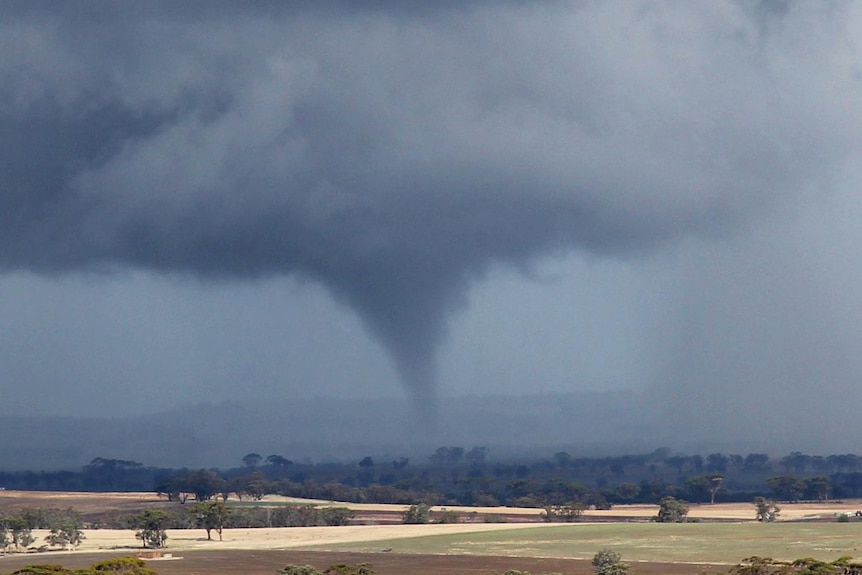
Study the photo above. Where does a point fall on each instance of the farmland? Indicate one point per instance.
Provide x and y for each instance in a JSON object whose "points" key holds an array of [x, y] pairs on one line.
{"points": [[724, 534]]}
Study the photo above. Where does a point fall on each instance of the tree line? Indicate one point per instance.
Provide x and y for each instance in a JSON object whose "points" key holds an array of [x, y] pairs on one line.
{"points": [[454, 475], [64, 528]]}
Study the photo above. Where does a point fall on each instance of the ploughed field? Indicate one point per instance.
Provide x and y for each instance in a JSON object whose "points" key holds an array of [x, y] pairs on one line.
{"points": [[243, 562], [725, 534]]}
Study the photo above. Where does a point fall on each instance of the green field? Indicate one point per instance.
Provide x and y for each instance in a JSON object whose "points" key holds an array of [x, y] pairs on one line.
{"points": [[686, 542]]}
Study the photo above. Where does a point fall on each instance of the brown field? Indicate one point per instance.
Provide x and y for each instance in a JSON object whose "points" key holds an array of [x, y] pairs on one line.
{"points": [[254, 551], [266, 562]]}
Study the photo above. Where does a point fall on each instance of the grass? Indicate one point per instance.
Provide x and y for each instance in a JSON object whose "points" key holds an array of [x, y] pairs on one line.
{"points": [[686, 542]]}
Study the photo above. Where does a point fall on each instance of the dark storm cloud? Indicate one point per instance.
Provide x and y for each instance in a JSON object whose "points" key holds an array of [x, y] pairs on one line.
{"points": [[394, 152]]}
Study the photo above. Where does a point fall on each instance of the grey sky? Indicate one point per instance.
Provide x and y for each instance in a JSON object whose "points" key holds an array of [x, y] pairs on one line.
{"points": [[470, 198]]}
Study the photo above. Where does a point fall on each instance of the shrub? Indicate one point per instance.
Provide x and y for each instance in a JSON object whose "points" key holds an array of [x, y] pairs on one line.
{"points": [[567, 513], [336, 515], [43, 570], [671, 510], [298, 570], [448, 516], [344, 569], [122, 566], [116, 566], [417, 513], [607, 562]]}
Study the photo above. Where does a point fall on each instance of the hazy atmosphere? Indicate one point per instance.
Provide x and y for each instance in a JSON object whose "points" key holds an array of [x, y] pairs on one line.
{"points": [[278, 202]]}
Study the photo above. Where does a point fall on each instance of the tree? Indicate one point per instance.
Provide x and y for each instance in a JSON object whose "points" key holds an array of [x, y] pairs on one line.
{"points": [[677, 462], [562, 459], [697, 488], [251, 460], [211, 515], [787, 487], [174, 487], [607, 562], [150, 525], [558, 492], [204, 484], [255, 485], [795, 461], [447, 455], [20, 531], [417, 513], [367, 462], [819, 488], [278, 461], [334, 516], [598, 499], [717, 462], [847, 462], [626, 492], [5, 539], [111, 474], [65, 530], [476, 455], [714, 482], [671, 510], [755, 462], [767, 510]]}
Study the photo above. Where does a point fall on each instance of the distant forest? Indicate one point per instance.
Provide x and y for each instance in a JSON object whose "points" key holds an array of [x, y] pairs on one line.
{"points": [[457, 476]]}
